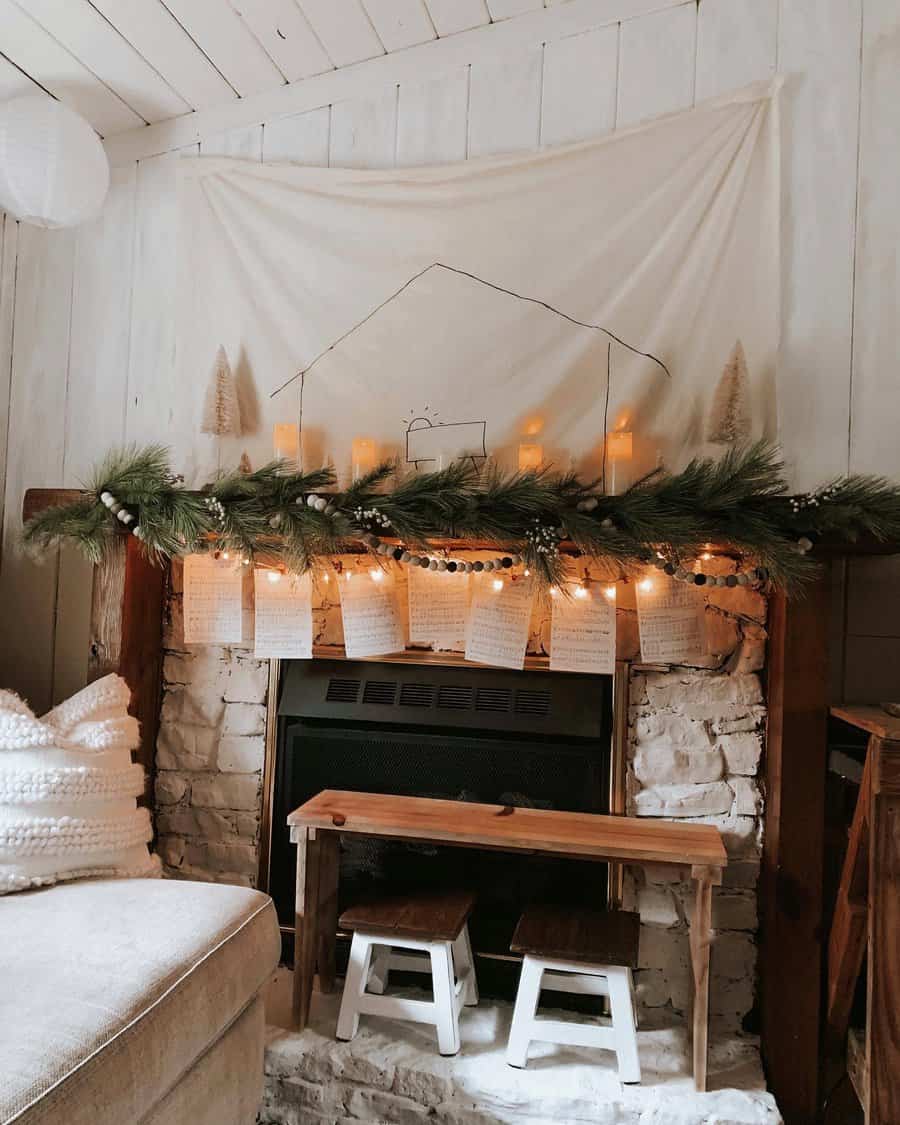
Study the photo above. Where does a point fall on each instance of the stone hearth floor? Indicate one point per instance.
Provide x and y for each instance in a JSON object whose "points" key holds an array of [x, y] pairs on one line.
{"points": [[391, 1073]]}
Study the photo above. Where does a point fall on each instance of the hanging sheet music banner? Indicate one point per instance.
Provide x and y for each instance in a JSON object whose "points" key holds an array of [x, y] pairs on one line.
{"points": [[498, 622], [212, 601], [372, 622], [283, 615], [583, 632], [671, 619], [438, 608]]}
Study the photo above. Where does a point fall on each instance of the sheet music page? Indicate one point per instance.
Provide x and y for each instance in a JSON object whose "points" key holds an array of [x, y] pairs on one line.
{"points": [[212, 600], [498, 622], [671, 620], [372, 622], [583, 632], [438, 608], [283, 615]]}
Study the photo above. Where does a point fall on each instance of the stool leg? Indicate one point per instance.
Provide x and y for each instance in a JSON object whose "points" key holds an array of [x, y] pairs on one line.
{"points": [[444, 985], [354, 986], [380, 971], [527, 997], [623, 1023], [465, 962]]}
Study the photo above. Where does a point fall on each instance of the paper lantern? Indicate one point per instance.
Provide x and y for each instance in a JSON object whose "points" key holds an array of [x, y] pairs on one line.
{"points": [[53, 168]]}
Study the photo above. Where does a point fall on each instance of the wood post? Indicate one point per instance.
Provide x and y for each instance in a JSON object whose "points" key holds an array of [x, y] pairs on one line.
{"points": [[791, 875]]}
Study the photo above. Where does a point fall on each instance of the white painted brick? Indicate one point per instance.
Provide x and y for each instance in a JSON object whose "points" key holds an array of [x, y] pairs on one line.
{"points": [[241, 754], [379, 1105], [226, 791], [193, 708], [664, 765], [735, 911], [750, 654], [656, 906], [741, 752], [208, 824], [672, 729], [723, 635], [179, 746], [246, 825], [740, 835], [169, 787], [240, 857], [248, 681], [735, 720], [741, 601], [747, 797], [684, 800], [741, 875], [244, 719], [677, 692], [733, 957]]}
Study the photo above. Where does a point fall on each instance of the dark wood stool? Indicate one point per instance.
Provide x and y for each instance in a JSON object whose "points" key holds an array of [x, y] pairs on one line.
{"points": [[431, 929], [582, 951]]}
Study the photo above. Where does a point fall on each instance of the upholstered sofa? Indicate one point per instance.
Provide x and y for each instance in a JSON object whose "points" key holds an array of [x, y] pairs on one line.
{"points": [[133, 1002]]}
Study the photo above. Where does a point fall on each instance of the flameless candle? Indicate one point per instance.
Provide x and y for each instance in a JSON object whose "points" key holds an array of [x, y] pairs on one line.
{"points": [[530, 456], [286, 441], [619, 451], [363, 456]]}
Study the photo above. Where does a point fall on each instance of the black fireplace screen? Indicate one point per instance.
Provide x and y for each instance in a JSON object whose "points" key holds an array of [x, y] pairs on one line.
{"points": [[527, 739]]}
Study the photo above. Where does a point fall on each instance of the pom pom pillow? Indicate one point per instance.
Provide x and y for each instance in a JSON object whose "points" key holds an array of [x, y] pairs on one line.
{"points": [[68, 790]]}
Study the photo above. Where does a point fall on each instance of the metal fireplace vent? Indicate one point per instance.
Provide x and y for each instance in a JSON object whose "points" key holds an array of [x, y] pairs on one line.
{"points": [[490, 699]]}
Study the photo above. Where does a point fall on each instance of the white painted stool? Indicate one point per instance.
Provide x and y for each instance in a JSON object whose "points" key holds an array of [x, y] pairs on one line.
{"points": [[577, 951], [432, 931]]}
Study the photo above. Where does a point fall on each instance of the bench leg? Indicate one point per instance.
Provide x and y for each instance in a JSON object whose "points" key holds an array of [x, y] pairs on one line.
{"points": [[354, 986], [465, 966], [527, 997], [445, 1009], [381, 969], [620, 1002]]}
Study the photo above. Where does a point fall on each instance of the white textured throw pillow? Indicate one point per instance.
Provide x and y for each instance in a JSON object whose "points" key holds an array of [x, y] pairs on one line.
{"points": [[68, 790]]}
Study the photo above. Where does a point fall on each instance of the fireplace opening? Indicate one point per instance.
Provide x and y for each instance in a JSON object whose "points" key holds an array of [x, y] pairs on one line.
{"points": [[521, 738]]}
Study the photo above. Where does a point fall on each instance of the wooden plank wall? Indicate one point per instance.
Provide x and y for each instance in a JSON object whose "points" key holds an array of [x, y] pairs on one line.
{"points": [[87, 343]]}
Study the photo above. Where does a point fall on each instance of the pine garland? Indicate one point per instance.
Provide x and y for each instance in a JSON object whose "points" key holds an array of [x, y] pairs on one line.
{"points": [[739, 503]]}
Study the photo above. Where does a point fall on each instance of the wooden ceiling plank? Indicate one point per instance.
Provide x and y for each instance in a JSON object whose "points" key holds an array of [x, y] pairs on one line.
{"points": [[452, 16], [87, 35], [400, 23], [155, 34], [506, 9], [229, 43], [13, 83], [45, 60], [479, 44], [344, 30], [284, 32]]}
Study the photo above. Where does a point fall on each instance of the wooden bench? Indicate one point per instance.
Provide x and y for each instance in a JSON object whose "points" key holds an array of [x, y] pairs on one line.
{"points": [[317, 825]]}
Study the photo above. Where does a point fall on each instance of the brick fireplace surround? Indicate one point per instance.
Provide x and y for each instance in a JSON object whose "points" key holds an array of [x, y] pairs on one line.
{"points": [[693, 751]]}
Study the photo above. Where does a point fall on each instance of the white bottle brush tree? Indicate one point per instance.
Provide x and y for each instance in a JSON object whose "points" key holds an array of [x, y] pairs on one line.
{"points": [[221, 410], [729, 417]]}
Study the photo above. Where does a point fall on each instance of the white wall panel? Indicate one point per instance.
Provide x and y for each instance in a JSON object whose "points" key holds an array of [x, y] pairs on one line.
{"points": [[364, 131], [579, 86], [736, 44], [301, 140], [505, 104], [432, 120], [656, 64], [451, 16]]}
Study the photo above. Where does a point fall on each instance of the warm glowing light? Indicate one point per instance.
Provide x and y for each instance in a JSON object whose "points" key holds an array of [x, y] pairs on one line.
{"points": [[706, 555], [531, 456], [225, 555], [286, 441], [646, 585], [619, 445], [554, 590], [610, 592], [376, 575], [533, 426], [274, 576], [363, 456], [498, 584], [527, 572], [348, 575], [245, 562], [326, 577], [582, 592]]}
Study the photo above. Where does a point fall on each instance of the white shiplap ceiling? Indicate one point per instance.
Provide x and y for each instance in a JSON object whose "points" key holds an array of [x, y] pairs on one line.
{"points": [[126, 63]]}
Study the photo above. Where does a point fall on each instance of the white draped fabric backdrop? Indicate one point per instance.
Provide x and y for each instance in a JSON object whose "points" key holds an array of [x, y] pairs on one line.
{"points": [[550, 295]]}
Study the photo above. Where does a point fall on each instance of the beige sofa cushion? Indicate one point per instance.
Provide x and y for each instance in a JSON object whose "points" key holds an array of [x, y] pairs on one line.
{"points": [[113, 988]]}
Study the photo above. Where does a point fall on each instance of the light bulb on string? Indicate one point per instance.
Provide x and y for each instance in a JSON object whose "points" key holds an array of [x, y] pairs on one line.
{"points": [[646, 585], [225, 555], [274, 576], [582, 592], [498, 584], [376, 575], [554, 591], [610, 592]]}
